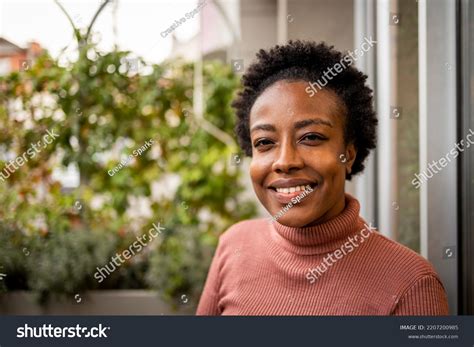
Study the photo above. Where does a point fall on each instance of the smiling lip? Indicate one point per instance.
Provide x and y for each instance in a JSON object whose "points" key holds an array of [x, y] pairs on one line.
{"points": [[285, 198], [292, 182]]}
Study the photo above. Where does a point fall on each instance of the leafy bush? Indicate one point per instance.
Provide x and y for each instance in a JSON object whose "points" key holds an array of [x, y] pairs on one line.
{"points": [[65, 262], [103, 109]]}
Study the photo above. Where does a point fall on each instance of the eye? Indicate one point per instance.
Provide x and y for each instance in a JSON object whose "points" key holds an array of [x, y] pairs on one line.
{"points": [[262, 142], [313, 137]]}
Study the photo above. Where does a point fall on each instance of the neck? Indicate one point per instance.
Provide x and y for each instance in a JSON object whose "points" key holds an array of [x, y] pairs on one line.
{"points": [[323, 236], [334, 211]]}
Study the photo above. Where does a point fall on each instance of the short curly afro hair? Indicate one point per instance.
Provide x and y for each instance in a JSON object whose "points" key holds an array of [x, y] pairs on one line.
{"points": [[307, 61]]}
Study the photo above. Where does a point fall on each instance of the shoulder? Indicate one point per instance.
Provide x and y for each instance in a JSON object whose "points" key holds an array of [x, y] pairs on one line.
{"points": [[393, 270], [401, 255], [244, 237], [397, 265], [244, 230], [419, 289]]}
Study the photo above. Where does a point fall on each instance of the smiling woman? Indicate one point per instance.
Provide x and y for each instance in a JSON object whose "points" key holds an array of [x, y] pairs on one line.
{"points": [[305, 146], [297, 141]]}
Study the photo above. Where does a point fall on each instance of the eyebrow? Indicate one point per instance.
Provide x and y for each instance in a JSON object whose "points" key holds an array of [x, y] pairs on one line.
{"points": [[298, 125], [316, 121]]}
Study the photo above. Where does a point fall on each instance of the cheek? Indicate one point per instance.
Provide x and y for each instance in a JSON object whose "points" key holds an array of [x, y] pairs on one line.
{"points": [[256, 171], [328, 164], [260, 167]]}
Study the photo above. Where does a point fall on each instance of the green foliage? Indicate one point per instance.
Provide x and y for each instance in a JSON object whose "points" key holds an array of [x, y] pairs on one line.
{"points": [[103, 110], [64, 263]]}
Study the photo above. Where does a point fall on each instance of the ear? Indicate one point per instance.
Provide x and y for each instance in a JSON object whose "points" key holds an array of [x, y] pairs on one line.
{"points": [[351, 153]]}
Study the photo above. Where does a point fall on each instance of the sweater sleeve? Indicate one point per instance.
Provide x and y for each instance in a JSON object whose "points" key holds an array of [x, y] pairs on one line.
{"points": [[208, 303], [426, 297]]}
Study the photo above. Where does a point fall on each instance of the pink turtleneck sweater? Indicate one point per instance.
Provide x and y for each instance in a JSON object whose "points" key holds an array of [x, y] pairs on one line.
{"points": [[341, 267]]}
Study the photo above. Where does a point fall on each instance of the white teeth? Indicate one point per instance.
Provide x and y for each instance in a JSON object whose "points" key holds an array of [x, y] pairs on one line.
{"points": [[291, 189]]}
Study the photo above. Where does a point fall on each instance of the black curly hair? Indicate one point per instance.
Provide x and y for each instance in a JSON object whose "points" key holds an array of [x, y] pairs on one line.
{"points": [[307, 61]]}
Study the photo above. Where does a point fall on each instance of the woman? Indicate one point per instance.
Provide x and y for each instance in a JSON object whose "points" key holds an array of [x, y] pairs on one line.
{"points": [[307, 131]]}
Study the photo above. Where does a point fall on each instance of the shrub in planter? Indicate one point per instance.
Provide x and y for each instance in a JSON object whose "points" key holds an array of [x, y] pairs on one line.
{"points": [[64, 263]]}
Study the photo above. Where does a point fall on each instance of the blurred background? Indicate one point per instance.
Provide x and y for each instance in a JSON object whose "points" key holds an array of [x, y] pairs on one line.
{"points": [[109, 76]]}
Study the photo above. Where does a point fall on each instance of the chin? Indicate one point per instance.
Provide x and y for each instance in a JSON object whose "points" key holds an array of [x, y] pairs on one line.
{"points": [[294, 221], [290, 223]]}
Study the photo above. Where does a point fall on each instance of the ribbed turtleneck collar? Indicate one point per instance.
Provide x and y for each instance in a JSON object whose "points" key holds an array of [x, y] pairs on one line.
{"points": [[321, 238]]}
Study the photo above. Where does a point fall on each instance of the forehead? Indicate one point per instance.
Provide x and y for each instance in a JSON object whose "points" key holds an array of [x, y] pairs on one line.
{"points": [[287, 101]]}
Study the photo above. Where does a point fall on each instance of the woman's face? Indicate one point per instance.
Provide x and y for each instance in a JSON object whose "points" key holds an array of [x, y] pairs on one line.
{"points": [[299, 141]]}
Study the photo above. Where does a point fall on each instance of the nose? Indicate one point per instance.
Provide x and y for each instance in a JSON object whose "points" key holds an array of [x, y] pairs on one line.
{"points": [[288, 159]]}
